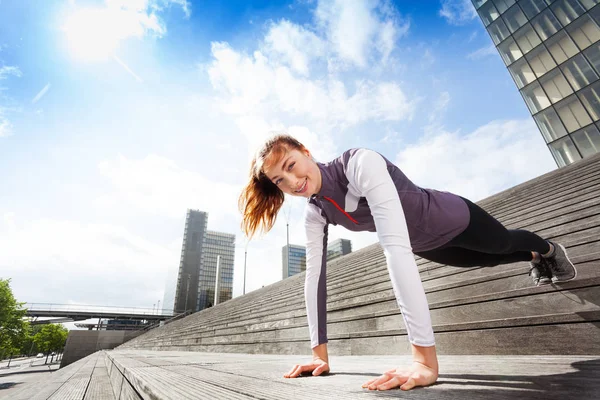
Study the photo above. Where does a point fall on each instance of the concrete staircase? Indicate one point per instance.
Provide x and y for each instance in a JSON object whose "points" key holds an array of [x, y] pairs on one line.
{"points": [[489, 311]]}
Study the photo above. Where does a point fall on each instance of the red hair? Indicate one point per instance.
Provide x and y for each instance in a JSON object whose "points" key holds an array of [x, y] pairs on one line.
{"points": [[261, 199]]}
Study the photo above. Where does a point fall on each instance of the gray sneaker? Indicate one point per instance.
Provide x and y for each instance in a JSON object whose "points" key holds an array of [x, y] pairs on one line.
{"points": [[540, 273], [561, 267]]}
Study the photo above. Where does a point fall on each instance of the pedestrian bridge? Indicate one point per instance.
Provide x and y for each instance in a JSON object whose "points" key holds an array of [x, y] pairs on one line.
{"points": [[80, 312]]}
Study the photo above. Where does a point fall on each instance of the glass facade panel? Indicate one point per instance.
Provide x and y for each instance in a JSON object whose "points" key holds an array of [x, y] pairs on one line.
{"points": [[589, 3], [556, 86], [546, 24], [567, 11], [572, 113], [478, 3], [579, 72], [527, 38], [488, 13], [540, 60], [593, 56], [550, 125], [532, 7], [587, 140], [561, 47], [498, 31], [535, 97], [522, 73], [514, 18], [564, 151], [509, 51], [503, 5], [584, 31], [590, 97]]}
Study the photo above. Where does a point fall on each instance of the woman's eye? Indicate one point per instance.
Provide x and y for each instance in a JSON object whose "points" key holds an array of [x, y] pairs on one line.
{"points": [[290, 166], [278, 181]]}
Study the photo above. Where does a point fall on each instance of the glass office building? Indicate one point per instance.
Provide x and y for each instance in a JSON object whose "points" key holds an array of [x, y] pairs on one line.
{"points": [[182, 293], [293, 260], [552, 50], [338, 248], [216, 244]]}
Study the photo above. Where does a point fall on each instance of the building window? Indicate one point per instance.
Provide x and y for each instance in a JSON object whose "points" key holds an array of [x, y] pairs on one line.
{"points": [[522, 73], [498, 31], [590, 97], [514, 18], [584, 31], [593, 55], [589, 3], [564, 151], [488, 13], [532, 7], [503, 5], [546, 24], [572, 113], [556, 86], [587, 140], [579, 72], [527, 38], [550, 125], [540, 60], [535, 97], [478, 3], [561, 47], [509, 51], [567, 11]]}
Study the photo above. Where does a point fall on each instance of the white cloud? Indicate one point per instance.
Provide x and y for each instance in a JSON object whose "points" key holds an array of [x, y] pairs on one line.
{"points": [[439, 106], [483, 52], [295, 45], [7, 70], [253, 84], [458, 12], [158, 186], [75, 262], [354, 28], [493, 158], [6, 128]]}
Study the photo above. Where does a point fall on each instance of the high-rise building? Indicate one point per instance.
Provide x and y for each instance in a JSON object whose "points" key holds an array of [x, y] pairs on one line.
{"points": [[183, 294], [551, 48], [338, 248], [293, 260], [216, 244]]}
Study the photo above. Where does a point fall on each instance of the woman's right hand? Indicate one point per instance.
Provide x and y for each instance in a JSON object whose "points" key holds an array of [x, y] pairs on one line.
{"points": [[317, 366]]}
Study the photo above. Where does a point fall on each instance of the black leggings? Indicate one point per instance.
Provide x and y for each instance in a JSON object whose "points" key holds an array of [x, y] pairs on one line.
{"points": [[486, 243]]}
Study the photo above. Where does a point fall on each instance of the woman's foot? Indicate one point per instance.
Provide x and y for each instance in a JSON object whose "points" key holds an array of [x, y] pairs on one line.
{"points": [[562, 269]]}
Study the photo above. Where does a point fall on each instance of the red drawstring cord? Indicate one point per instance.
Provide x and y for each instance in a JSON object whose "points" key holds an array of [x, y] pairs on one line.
{"points": [[340, 208]]}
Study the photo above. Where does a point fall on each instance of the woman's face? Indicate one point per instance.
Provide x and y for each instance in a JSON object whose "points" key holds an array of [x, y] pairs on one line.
{"points": [[296, 174]]}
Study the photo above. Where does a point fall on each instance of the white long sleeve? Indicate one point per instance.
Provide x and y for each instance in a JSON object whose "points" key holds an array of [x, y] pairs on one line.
{"points": [[368, 177]]}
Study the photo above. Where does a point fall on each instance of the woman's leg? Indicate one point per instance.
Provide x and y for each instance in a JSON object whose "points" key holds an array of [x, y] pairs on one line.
{"points": [[461, 257], [485, 234]]}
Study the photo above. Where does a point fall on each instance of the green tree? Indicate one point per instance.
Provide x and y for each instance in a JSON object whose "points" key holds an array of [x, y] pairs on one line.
{"points": [[13, 328], [51, 337]]}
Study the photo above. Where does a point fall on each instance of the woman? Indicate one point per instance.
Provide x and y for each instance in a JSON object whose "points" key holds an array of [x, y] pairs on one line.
{"points": [[362, 191]]}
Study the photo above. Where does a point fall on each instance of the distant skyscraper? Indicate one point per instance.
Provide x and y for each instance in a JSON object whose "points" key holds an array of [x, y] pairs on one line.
{"points": [[184, 294], [295, 263], [338, 248], [552, 51], [215, 244]]}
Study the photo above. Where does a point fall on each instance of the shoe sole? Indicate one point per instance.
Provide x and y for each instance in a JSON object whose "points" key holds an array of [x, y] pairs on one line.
{"points": [[556, 280]]}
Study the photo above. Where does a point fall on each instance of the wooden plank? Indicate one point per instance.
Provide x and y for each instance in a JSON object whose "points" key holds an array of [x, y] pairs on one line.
{"points": [[99, 387]]}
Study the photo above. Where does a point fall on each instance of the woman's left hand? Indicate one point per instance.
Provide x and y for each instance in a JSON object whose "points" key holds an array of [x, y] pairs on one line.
{"points": [[406, 378]]}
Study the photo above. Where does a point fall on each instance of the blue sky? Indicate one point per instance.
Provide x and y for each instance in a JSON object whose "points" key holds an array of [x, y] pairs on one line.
{"points": [[116, 116]]}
